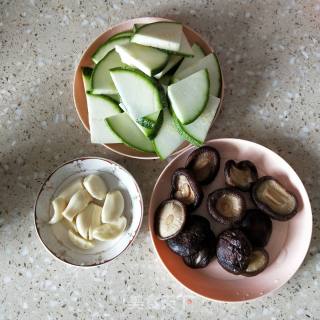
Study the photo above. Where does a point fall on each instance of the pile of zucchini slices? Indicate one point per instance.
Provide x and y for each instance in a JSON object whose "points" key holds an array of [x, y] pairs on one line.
{"points": [[151, 90]]}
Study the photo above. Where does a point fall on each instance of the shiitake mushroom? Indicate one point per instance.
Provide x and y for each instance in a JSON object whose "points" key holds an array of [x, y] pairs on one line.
{"points": [[192, 238], [226, 205], [233, 251], [258, 262], [204, 163], [257, 226], [271, 197], [240, 175], [170, 218], [203, 257], [186, 189]]}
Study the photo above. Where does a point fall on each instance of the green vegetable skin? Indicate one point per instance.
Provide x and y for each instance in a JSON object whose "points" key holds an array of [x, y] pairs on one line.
{"points": [[189, 96], [126, 129], [148, 97]]}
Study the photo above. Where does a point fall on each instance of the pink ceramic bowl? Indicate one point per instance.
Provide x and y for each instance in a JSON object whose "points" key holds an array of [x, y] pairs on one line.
{"points": [[85, 61], [287, 247]]}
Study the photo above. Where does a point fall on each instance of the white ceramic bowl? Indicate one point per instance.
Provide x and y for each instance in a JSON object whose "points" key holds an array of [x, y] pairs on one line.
{"points": [[55, 237]]}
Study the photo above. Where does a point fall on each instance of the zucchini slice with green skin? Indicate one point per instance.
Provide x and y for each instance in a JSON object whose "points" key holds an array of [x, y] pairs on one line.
{"points": [[104, 49], [101, 81], [185, 49], [136, 26], [189, 96], [99, 108], [148, 121], [139, 93], [86, 77], [122, 34], [147, 59], [198, 54], [115, 97], [168, 139], [209, 62], [148, 132], [196, 132], [129, 133], [173, 60], [163, 35]]}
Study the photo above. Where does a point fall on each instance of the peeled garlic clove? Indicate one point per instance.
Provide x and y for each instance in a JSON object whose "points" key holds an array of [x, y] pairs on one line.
{"points": [[95, 186], [76, 204], [70, 225], [113, 206], [106, 232], [59, 204], [120, 223], [79, 242], [95, 220], [83, 221], [70, 190]]}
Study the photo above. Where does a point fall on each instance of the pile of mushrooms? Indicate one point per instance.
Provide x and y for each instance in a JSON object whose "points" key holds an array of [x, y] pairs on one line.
{"points": [[240, 249]]}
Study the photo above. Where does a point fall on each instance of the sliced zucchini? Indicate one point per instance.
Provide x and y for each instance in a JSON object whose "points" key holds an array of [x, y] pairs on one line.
{"points": [[173, 60], [163, 35], [115, 97], [147, 59], [136, 26], [209, 62], [122, 34], [148, 132], [99, 108], [101, 81], [86, 77], [168, 139], [189, 96], [165, 80], [196, 132], [126, 129], [104, 49], [185, 48], [148, 121], [198, 54], [138, 92]]}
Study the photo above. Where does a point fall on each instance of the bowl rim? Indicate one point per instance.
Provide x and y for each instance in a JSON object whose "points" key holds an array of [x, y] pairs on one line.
{"points": [[150, 226], [147, 156], [42, 188]]}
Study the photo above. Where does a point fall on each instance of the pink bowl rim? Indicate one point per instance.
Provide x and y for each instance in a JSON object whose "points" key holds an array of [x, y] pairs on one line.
{"points": [[309, 233]]}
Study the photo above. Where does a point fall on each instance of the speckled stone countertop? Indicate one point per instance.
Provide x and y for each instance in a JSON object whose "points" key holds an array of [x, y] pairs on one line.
{"points": [[270, 54]]}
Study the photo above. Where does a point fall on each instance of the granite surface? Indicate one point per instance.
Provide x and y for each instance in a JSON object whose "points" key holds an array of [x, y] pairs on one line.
{"points": [[270, 56]]}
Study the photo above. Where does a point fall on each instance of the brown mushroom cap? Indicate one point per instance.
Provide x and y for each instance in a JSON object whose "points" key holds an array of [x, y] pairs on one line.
{"points": [[257, 226], [271, 197], [240, 175], [186, 189], [226, 205], [204, 163], [192, 238], [233, 251], [170, 218]]}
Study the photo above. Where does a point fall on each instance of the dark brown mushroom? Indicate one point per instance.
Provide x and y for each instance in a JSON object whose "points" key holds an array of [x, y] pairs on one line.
{"points": [[233, 251], [274, 199], [170, 218], [226, 205], [204, 163], [192, 238], [203, 257], [240, 175], [257, 226], [258, 262], [186, 189]]}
